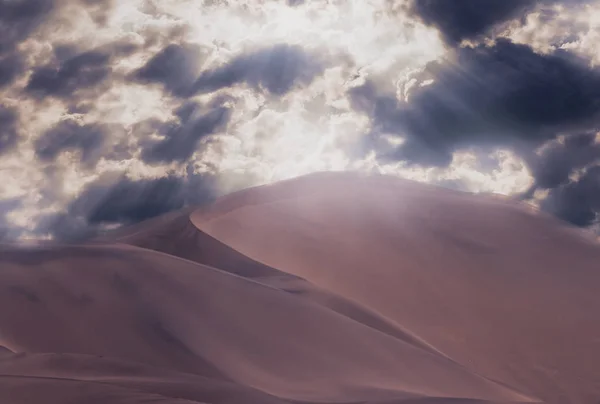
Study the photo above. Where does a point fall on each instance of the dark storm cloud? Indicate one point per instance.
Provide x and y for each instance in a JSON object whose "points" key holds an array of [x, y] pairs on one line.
{"points": [[473, 19], [11, 64], [18, 19], [129, 201], [72, 135], [21, 18], [566, 168], [8, 129], [555, 163], [276, 69], [176, 67], [121, 201], [63, 78], [501, 95], [577, 202], [181, 137], [73, 70], [467, 19]]}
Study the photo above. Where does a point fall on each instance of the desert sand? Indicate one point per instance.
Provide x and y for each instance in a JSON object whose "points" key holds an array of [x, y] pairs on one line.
{"points": [[329, 288]]}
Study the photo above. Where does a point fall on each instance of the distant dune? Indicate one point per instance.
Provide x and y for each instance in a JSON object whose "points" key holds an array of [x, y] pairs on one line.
{"points": [[329, 288]]}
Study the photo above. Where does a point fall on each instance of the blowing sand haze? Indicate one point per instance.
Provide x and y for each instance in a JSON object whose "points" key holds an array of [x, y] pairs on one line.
{"points": [[330, 288]]}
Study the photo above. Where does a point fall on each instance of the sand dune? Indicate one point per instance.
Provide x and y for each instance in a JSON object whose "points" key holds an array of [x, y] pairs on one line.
{"points": [[331, 288], [498, 288]]}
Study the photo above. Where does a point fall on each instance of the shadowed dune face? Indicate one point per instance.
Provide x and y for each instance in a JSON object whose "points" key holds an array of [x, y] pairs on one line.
{"points": [[5, 351], [83, 374], [332, 288], [176, 235], [162, 311]]}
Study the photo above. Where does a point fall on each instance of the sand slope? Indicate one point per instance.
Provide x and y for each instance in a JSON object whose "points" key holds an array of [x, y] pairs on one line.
{"points": [[324, 289], [507, 292]]}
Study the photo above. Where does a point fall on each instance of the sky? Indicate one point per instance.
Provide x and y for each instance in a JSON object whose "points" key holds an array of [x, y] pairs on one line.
{"points": [[112, 112]]}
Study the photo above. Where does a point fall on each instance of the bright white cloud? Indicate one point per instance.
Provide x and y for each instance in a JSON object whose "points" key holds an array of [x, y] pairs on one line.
{"points": [[508, 176], [574, 28]]}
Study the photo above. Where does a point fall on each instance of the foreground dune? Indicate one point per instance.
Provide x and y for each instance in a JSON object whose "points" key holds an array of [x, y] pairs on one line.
{"points": [[332, 288]]}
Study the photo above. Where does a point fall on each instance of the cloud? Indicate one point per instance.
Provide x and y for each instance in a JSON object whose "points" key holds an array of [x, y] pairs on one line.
{"points": [[499, 95], [573, 28], [18, 19], [72, 71], [129, 201], [115, 200], [460, 20], [276, 69], [180, 137], [468, 19], [544, 107], [568, 169], [176, 67], [8, 129], [11, 65], [577, 202], [62, 80], [558, 161], [99, 10], [6, 230], [89, 139]]}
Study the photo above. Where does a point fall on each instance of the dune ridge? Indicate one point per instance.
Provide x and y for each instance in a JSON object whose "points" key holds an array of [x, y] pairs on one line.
{"points": [[329, 288]]}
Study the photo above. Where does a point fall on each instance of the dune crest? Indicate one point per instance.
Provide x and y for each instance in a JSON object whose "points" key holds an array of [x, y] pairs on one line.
{"points": [[330, 288]]}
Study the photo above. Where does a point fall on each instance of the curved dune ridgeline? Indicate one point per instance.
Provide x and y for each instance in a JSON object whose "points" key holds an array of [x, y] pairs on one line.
{"points": [[330, 288]]}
